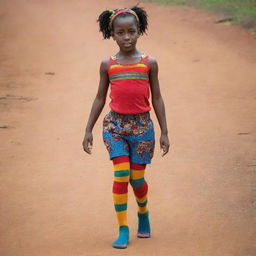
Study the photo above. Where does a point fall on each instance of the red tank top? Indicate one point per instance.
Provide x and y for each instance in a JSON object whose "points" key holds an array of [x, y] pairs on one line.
{"points": [[129, 86]]}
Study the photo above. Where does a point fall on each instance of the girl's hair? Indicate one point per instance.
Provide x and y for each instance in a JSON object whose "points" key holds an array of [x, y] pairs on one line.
{"points": [[105, 17]]}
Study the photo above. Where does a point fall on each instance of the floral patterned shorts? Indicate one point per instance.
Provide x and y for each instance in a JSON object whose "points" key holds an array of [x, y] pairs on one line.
{"points": [[131, 135]]}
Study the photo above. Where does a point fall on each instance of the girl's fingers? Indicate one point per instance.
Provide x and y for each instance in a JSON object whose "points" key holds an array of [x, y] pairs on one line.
{"points": [[165, 149], [86, 146], [90, 149]]}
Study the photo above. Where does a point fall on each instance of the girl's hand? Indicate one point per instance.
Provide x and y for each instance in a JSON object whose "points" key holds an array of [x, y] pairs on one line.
{"points": [[88, 140], [164, 144]]}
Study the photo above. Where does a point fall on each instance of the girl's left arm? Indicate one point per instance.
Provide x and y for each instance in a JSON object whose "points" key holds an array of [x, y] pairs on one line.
{"points": [[158, 105]]}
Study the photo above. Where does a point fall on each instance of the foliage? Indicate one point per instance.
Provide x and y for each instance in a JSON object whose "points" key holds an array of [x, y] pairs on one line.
{"points": [[242, 11]]}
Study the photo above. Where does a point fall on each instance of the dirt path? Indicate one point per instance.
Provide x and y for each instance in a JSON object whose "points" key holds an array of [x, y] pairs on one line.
{"points": [[56, 200]]}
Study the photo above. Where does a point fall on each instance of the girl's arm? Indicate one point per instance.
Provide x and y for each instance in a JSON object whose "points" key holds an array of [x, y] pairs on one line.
{"points": [[97, 106], [158, 105]]}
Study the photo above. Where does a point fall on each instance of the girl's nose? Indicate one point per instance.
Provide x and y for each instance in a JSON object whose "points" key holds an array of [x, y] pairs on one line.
{"points": [[127, 36]]}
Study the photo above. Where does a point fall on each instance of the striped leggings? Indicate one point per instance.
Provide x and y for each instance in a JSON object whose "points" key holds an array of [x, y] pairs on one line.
{"points": [[125, 172]]}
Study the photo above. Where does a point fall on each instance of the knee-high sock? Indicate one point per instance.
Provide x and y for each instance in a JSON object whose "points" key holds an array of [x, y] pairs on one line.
{"points": [[140, 186], [120, 187]]}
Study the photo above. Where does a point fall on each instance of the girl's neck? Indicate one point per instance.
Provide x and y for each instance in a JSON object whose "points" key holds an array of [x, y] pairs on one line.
{"points": [[128, 55]]}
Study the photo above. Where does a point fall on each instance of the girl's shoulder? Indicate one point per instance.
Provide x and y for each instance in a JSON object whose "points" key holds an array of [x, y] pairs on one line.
{"points": [[105, 60], [152, 63], [104, 64], [151, 59], [148, 59]]}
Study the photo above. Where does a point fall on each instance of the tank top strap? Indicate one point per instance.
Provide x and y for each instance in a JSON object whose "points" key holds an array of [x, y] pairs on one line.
{"points": [[112, 60], [145, 59], [143, 55]]}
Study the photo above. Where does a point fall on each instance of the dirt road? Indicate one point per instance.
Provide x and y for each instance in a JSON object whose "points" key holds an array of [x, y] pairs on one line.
{"points": [[57, 201]]}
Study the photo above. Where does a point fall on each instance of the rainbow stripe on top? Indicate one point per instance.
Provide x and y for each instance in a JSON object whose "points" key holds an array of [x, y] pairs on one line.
{"points": [[126, 71]]}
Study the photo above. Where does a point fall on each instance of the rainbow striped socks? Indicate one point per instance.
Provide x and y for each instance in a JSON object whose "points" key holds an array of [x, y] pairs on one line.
{"points": [[120, 196], [143, 225], [140, 188], [123, 238], [125, 172]]}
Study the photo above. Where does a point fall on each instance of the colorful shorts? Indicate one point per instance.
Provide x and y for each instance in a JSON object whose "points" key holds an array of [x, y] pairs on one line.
{"points": [[131, 135]]}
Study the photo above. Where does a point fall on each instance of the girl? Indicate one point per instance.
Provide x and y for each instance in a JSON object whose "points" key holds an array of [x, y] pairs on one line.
{"points": [[128, 131]]}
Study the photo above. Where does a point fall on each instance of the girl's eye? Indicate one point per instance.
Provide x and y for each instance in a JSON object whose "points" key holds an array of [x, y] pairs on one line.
{"points": [[119, 33]]}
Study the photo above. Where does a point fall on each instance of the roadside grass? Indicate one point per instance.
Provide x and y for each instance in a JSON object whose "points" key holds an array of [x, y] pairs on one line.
{"points": [[241, 12]]}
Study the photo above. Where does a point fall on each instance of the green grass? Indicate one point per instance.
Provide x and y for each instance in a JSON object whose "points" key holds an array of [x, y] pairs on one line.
{"points": [[242, 11]]}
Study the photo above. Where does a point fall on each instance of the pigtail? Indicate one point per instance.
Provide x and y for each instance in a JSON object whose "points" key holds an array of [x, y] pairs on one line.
{"points": [[104, 20], [143, 19]]}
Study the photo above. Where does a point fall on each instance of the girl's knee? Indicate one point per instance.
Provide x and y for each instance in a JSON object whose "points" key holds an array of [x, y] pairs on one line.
{"points": [[137, 183]]}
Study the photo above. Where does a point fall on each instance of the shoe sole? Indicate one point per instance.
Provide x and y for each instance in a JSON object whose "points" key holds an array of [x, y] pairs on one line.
{"points": [[146, 235], [119, 246]]}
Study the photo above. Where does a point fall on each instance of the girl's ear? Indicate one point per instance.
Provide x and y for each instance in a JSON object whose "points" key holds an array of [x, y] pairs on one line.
{"points": [[112, 35], [138, 32]]}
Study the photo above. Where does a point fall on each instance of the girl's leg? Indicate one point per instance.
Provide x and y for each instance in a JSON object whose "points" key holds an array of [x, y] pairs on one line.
{"points": [[120, 196], [140, 188]]}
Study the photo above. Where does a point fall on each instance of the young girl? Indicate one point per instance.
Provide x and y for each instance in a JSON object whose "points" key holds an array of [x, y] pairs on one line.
{"points": [[128, 131]]}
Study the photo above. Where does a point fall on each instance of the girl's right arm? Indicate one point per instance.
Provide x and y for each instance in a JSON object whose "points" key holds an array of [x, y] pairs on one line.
{"points": [[97, 106]]}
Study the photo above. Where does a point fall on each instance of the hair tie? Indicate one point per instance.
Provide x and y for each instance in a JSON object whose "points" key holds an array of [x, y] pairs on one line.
{"points": [[119, 11]]}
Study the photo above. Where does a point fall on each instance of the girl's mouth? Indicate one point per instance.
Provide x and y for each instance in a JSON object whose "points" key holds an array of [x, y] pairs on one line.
{"points": [[127, 44]]}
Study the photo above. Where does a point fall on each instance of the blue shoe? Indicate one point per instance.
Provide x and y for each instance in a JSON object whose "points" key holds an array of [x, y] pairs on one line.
{"points": [[143, 225], [123, 238]]}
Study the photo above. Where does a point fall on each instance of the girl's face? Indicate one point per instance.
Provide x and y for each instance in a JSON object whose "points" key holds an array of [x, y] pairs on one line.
{"points": [[125, 32]]}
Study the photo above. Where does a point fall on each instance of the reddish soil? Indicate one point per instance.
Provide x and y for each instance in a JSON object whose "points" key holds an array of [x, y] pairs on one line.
{"points": [[56, 200]]}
